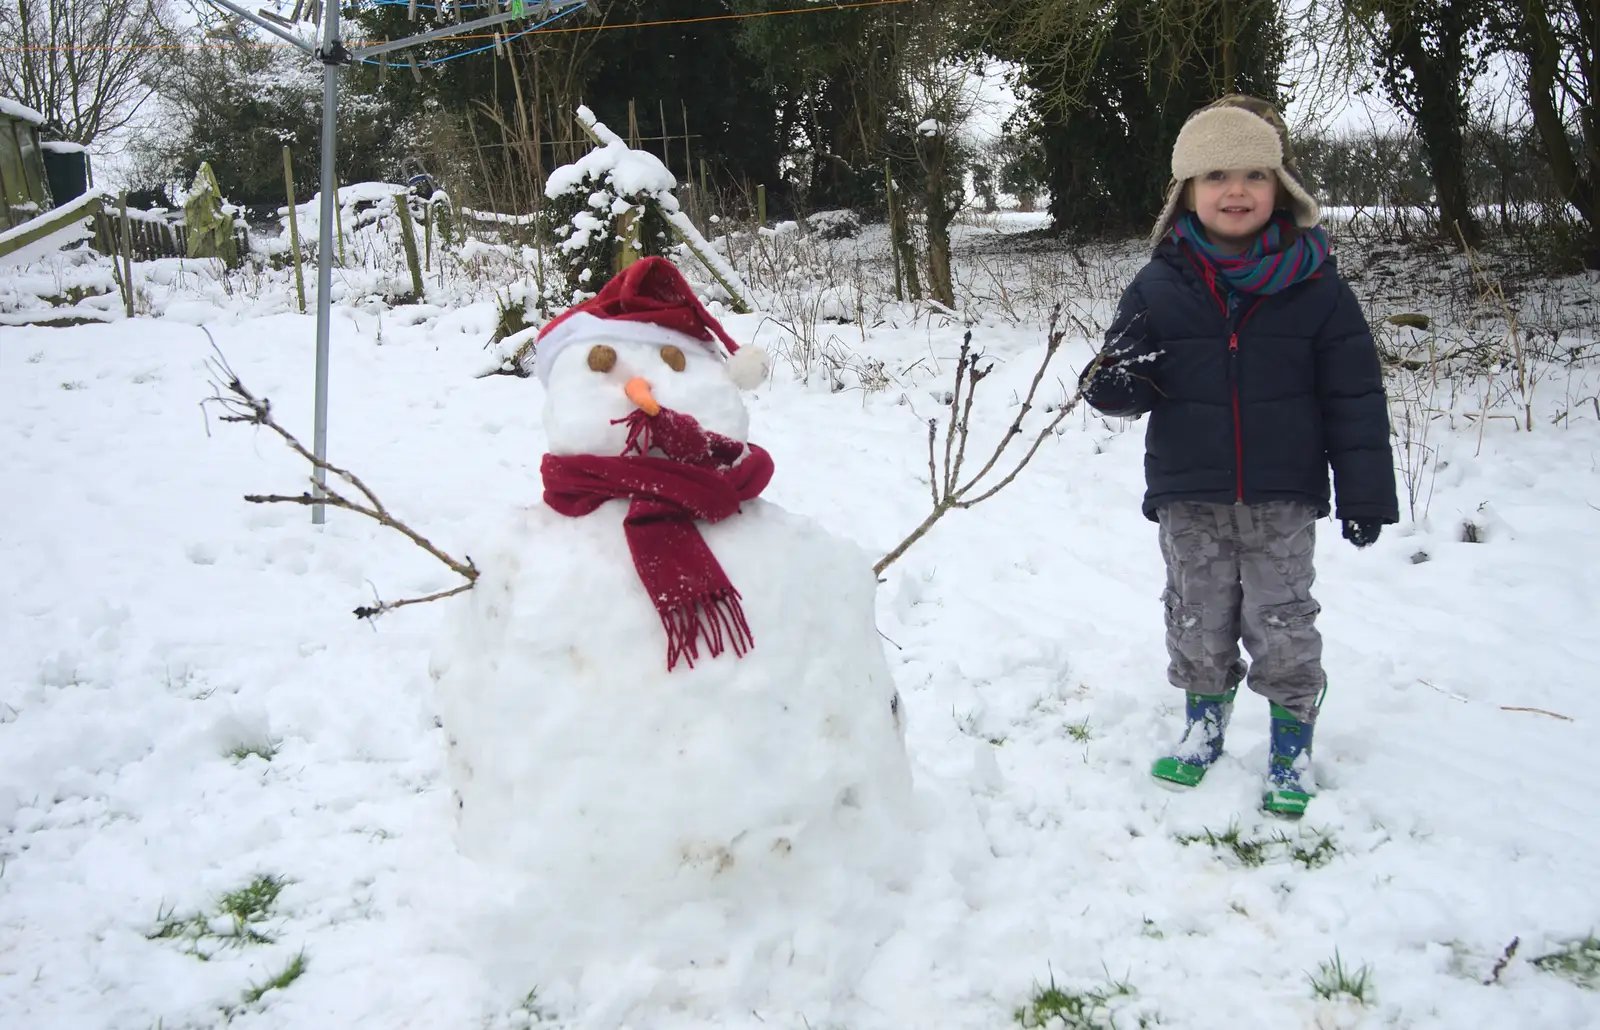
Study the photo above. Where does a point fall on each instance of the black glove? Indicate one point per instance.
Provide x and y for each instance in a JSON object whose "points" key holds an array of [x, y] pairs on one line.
{"points": [[1362, 532]]}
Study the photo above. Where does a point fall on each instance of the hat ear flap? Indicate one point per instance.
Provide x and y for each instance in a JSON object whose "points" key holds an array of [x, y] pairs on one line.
{"points": [[1297, 200], [1169, 213]]}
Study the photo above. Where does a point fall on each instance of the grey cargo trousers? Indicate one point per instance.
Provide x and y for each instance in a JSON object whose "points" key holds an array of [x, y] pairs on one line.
{"points": [[1236, 570]]}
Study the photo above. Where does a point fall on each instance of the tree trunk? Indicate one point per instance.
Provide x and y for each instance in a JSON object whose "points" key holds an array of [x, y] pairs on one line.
{"points": [[934, 151], [1544, 66], [1440, 111], [900, 233]]}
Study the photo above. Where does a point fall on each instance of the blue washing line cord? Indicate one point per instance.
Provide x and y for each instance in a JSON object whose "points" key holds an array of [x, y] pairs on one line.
{"points": [[475, 50]]}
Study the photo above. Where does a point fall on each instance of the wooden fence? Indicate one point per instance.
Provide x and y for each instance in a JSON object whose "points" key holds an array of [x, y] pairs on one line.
{"points": [[154, 234]]}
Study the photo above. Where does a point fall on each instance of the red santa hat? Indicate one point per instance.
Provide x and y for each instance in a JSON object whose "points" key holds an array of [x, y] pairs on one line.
{"points": [[648, 302]]}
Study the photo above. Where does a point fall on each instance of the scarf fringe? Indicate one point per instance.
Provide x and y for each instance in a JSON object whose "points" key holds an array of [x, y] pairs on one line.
{"points": [[639, 436], [718, 617]]}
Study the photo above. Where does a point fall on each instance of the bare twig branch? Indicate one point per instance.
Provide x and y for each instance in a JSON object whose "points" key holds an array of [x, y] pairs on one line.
{"points": [[955, 408], [975, 375], [1052, 344], [1047, 431], [333, 499], [915, 535], [1505, 960], [389, 606], [947, 492], [1537, 711], [239, 404]]}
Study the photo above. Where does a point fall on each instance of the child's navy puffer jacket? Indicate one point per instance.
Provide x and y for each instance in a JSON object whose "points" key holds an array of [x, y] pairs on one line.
{"points": [[1250, 401]]}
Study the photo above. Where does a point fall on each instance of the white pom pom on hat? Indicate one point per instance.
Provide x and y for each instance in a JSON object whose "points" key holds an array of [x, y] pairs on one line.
{"points": [[648, 302], [749, 367]]}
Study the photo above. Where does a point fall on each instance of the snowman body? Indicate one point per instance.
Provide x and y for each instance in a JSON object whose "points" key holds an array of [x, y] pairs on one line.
{"points": [[721, 819]]}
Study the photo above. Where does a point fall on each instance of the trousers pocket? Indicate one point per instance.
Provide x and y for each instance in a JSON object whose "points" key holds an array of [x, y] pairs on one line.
{"points": [[1290, 640], [1184, 628], [1291, 615]]}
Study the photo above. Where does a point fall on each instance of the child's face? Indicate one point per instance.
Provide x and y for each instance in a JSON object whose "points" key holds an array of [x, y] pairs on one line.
{"points": [[1234, 205]]}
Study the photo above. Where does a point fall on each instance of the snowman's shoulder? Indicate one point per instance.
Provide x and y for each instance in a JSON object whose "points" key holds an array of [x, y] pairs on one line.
{"points": [[536, 529], [801, 534]]}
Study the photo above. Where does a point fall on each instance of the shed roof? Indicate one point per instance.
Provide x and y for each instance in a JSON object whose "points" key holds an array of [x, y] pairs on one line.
{"points": [[15, 110]]}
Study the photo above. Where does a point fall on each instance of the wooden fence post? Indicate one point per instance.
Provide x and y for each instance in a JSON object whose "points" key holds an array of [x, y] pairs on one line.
{"points": [[894, 242], [104, 241], [127, 252], [338, 221], [628, 248], [294, 230], [427, 237], [408, 239]]}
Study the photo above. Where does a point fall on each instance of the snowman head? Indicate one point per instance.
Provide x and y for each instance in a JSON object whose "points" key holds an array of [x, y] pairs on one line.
{"points": [[644, 342]]}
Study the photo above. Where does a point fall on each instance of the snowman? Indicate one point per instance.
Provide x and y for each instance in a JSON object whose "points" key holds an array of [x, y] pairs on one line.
{"points": [[672, 731]]}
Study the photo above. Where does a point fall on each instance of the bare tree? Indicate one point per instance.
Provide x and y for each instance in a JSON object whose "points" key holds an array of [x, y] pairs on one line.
{"points": [[1559, 44], [1064, 41], [86, 66]]}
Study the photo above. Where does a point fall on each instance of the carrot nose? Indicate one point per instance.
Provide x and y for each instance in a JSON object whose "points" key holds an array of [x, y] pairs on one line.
{"points": [[638, 391]]}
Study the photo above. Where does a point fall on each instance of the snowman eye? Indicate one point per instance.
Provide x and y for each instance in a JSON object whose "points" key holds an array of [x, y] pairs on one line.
{"points": [[673, 357], [602, 358]]}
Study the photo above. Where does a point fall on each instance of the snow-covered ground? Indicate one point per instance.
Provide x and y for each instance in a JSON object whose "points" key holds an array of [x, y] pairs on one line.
{"points": [[193, 724]]}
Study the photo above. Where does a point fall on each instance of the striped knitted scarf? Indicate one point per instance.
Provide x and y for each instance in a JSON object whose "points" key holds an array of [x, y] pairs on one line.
{"points": [[1267, 266]]}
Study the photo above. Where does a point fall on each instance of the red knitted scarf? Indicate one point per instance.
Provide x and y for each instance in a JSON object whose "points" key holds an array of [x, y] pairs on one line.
{"points": [[702, 477]]}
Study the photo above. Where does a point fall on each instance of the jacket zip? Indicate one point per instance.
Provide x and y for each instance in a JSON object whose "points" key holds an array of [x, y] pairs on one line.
{"points": [[1210, 278], [1238, 421]]}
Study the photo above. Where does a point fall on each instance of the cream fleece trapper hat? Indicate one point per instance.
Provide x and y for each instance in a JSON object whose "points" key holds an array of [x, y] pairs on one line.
{"points": [[1236, 132]]}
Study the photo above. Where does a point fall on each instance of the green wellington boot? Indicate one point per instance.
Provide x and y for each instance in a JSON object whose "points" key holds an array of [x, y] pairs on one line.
{"points": [[1289, 783], [1201, 745]]}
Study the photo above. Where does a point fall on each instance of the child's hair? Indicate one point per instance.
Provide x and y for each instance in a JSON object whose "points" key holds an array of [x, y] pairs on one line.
{"points": [[1236, 131]]}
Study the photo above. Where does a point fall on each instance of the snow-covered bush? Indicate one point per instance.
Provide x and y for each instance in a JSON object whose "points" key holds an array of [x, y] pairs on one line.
{"points": [[610, 198]]}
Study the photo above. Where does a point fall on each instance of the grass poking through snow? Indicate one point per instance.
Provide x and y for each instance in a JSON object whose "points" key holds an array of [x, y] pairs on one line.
{"points": [[1578, 961], [1313, 853], [233, 924], [1091, 1009], [286, 976], [263, 750], [1332, 981], [253, 902], [531, 1011]]}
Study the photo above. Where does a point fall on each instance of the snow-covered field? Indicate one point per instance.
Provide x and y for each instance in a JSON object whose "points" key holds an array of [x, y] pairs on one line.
{"points": [[192, 724]]}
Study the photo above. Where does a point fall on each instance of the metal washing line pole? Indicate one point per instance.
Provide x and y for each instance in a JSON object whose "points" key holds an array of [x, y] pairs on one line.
{"points": [[332, 55]]}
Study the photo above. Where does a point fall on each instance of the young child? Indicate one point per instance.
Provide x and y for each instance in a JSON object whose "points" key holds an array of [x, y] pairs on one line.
{"points": [[1258, 371]]}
